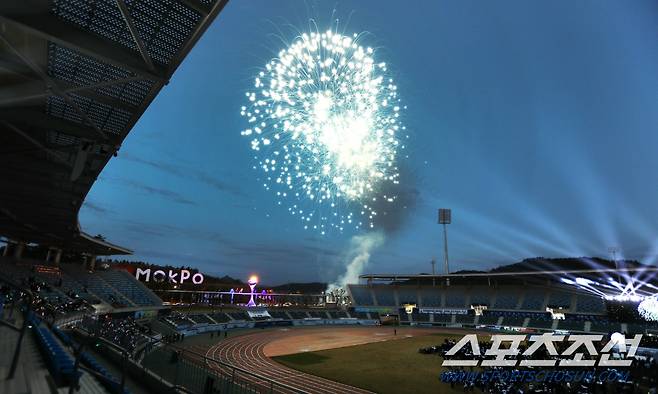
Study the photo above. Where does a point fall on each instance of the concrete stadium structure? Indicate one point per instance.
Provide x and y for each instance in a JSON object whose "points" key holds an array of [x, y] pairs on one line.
{"points": [[75, 77], [522, 300]]}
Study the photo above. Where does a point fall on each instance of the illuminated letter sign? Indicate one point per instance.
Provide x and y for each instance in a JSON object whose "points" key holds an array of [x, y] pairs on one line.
{"points": [[171, 276], [159, 276], [184, 275], [146, 272]]}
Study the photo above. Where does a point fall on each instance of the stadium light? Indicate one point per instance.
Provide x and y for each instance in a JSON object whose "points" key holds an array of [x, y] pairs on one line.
{"points": [[445, 218]]}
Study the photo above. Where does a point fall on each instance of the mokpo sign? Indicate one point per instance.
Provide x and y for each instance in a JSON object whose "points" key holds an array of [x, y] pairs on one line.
{"points": [[170, 276]]}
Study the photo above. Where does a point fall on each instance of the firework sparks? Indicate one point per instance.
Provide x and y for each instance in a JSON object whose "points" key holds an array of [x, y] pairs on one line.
{"points": [[648, 309], [324, 123]]}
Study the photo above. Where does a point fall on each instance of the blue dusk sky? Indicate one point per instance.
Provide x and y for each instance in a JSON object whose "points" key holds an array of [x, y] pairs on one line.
{"points": [[535, 121]]}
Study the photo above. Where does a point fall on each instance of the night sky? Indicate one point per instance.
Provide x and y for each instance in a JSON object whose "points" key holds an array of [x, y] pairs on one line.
{"points": [[536, 122]]}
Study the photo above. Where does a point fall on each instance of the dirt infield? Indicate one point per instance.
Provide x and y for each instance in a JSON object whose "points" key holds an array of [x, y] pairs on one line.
{"points": [[253, 352], [297, 340]]}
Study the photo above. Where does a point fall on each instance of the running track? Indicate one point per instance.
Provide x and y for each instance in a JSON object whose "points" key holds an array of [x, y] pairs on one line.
{"points": [[247, 352]]}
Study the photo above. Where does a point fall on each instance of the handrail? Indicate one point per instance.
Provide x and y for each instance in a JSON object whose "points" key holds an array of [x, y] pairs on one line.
{"points": [[205, 358], [153, 340], [30, 296], [178, 388], [105, 341]]}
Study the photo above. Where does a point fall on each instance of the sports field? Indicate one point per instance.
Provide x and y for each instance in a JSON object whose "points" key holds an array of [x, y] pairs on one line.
{"points": [[327, 360], [392, 366]]}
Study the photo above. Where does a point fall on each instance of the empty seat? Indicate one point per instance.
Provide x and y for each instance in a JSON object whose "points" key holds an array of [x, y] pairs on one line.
{"points": [[506, 299], [361, 295], [407, 295], [279, 315], [384, 296], [464, 319], [488, 319], [455, 298], [481, 296], [420, 317], [559, 299], [430, 297], [298, 315], [534, 299], [130, 287], [441, 318], [589, 304], [541, 320]]}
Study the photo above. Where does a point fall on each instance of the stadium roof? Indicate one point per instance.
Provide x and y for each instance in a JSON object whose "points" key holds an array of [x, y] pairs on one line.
{"points": [[396, 277], [75, 76]]}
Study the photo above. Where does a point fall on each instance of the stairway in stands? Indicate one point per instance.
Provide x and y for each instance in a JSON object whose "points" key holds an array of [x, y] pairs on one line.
{"points": [[31, 375]]}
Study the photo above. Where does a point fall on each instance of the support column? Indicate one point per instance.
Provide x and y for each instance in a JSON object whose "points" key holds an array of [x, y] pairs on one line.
{"points": [[18, 252], [58, 256], [48, 255], [92, 262], [5, 252]]}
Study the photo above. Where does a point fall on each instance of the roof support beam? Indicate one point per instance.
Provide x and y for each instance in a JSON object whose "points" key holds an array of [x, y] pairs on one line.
{"points": [[55, 155], [14, 67], [201, 27], [197, 6], [50, 28], [135, 34], [25, 93], [33, 27], [52, 85], [35, 89], [36, 118]]}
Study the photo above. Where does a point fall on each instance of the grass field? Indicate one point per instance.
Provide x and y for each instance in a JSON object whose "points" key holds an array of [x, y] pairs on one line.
{"points": [[384, 367]]}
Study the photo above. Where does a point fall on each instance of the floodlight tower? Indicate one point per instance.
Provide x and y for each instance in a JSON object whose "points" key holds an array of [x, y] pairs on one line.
{"points": [[613, 251], [433, 262], [445, 219]]}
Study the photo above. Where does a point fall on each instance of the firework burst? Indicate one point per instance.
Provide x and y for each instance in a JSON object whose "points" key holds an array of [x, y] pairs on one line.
{"points": [[324, 123], [648, 309]]}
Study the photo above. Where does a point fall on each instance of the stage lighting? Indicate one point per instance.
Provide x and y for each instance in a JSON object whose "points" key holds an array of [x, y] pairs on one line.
{"points": [[583, 281], [618, 339]]}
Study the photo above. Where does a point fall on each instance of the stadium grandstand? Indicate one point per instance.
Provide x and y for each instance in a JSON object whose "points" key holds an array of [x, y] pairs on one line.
{"points": [[75, 77], [529, 299]]}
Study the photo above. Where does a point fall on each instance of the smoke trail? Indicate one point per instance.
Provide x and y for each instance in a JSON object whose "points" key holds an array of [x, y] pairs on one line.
{"points": [[361, 247]]}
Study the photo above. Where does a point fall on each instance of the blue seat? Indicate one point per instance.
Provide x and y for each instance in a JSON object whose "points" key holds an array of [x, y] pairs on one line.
{"points": [[109, 380], [60, 364]]}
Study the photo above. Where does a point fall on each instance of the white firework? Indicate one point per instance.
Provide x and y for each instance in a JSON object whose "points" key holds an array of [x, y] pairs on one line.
{"points": [[648, 308], [324, 121]]}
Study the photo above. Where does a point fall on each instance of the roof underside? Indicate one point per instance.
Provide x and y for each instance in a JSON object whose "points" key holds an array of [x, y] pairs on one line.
{"points": [[75, 76], [558, 273]]}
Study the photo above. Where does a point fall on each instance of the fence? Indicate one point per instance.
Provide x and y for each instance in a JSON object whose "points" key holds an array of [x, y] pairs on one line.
{"points": [[199, 374]]}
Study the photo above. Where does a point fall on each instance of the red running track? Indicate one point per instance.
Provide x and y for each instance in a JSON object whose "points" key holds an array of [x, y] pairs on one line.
{"points": [[247, 352]]}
